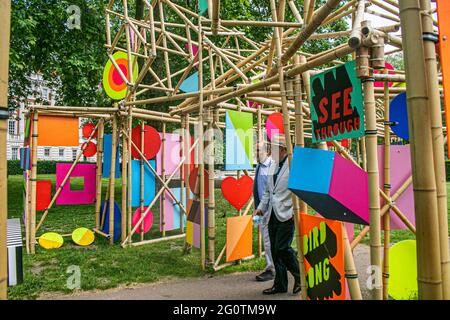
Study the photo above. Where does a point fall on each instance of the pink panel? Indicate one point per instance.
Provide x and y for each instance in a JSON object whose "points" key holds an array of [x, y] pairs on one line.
{"points": [[349, 186], [172, 155], [400, 170], [168, 213], [67, 196]]}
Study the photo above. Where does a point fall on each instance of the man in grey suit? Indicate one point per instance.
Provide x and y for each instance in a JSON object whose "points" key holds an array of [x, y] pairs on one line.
{"points": [[277, 201]]}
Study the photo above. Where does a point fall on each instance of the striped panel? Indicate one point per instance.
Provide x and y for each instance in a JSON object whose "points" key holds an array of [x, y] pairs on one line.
{"points": [[14, 244]]}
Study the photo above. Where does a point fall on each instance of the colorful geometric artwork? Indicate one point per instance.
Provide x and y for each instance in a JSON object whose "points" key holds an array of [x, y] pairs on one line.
{"points": [[403, 270], [83, 237], [323, 249], [58, 131], [91, 149], [239, 238], [149, 183], [238, 141], [107, 149], [443, 11], [172, 211], [113, 83], [148, 220], [117, 219], [380, 84], [51, 240], [43, 194], [152, 142], [274, 124], [398, 115], [400, 171], [237, 192], [337, 110], [193, 177], [190, 84], [330, 184], [172, 155], [25, 158], [193, 223], [67, 196], [87, 130]]}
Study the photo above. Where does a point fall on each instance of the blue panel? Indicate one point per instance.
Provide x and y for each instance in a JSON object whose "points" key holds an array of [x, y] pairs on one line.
{"points": [[177, 210], [107, 148], [311, 170], [398, 114], [149, 183], [235, 156], [190, 84], [117, 219]]}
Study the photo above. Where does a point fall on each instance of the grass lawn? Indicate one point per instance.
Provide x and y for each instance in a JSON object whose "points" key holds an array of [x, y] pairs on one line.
{"points": [[103, 266]]}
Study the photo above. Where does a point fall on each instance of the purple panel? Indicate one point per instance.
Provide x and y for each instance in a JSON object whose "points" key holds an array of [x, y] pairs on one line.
{"points": [[349, 186], [196, 241], [67, 196], [400, 171]]}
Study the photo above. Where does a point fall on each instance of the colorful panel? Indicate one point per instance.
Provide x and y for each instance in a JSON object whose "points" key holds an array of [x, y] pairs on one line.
{"points": [[239, 141], [68, 196], [58, 131]]}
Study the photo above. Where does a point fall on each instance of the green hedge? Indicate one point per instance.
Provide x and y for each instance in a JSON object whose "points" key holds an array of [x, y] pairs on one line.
{"points": [[447, 169], [44, 166]]}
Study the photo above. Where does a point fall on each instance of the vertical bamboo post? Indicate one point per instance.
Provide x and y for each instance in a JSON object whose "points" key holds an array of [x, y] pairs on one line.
{"points": [[187, 143], [5, 16], [438, 144], [33, 180], [424, 178], [211, 199], [123, 228], [163, 173], [183, 170], [286, 123], [201, 146], [350, 270], [98, 199], [129, 178], [260, 139], [386, 189], [372, 167], [141, 185], [112, 179]]}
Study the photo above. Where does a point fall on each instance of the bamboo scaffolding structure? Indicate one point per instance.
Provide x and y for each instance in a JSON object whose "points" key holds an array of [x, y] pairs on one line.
{"points": [[424, 182]]}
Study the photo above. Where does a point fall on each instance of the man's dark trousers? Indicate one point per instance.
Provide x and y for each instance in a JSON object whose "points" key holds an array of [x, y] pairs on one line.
{"points": [[284, 257]]}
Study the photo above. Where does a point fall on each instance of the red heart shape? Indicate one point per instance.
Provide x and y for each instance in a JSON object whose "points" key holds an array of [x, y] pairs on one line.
{"points": [[237, 192]]}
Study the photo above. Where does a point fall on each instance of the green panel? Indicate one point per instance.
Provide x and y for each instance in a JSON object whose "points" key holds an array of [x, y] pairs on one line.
{"points": [[243, 124], [337, 105], [203, 6]]}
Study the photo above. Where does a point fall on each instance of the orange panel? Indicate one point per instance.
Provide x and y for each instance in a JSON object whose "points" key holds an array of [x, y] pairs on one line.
{"points": [[323, 248], [239, 238], [58, 131], [443, 10]]}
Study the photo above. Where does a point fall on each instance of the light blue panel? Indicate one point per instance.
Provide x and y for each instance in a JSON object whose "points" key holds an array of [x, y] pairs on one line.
{"points": [[235, 156], [311, 170], [107, 148], [149, 183], [190, 84], [177, 210]]}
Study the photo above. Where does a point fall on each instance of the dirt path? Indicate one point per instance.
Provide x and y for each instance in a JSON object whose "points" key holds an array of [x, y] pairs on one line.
{"points": [[223, 287]]}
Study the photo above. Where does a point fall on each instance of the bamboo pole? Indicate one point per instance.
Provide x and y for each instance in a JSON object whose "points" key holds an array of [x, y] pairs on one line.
{"points": [[215, 22], [141, 184], [182, 172], [5, 16], [387, 189], [356, 35], [372, 169], [98, 198], [351, 273], [211, 185], [33, 179], [163, 174], [112, 180], [424, 178], [123, 229], [438, 146]]}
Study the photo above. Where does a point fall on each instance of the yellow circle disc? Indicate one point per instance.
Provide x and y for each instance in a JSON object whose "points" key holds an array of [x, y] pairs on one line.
{"points": [[403, 270], [113, 82], [83, 236], [51, 240]]}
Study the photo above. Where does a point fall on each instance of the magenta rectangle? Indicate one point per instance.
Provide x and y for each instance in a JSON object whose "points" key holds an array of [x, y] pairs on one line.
{"points": [[68, 196]]}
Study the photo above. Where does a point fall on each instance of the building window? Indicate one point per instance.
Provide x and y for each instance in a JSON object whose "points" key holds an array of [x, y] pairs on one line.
{"points": [[47, 152], [74, 154], [61, 152], [14, 155], [45, 93], [12, 127]]}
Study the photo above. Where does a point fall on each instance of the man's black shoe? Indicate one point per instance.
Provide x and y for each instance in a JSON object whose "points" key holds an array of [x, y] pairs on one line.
{"points": [[265, 276], [297, 288], [273, 290]]}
